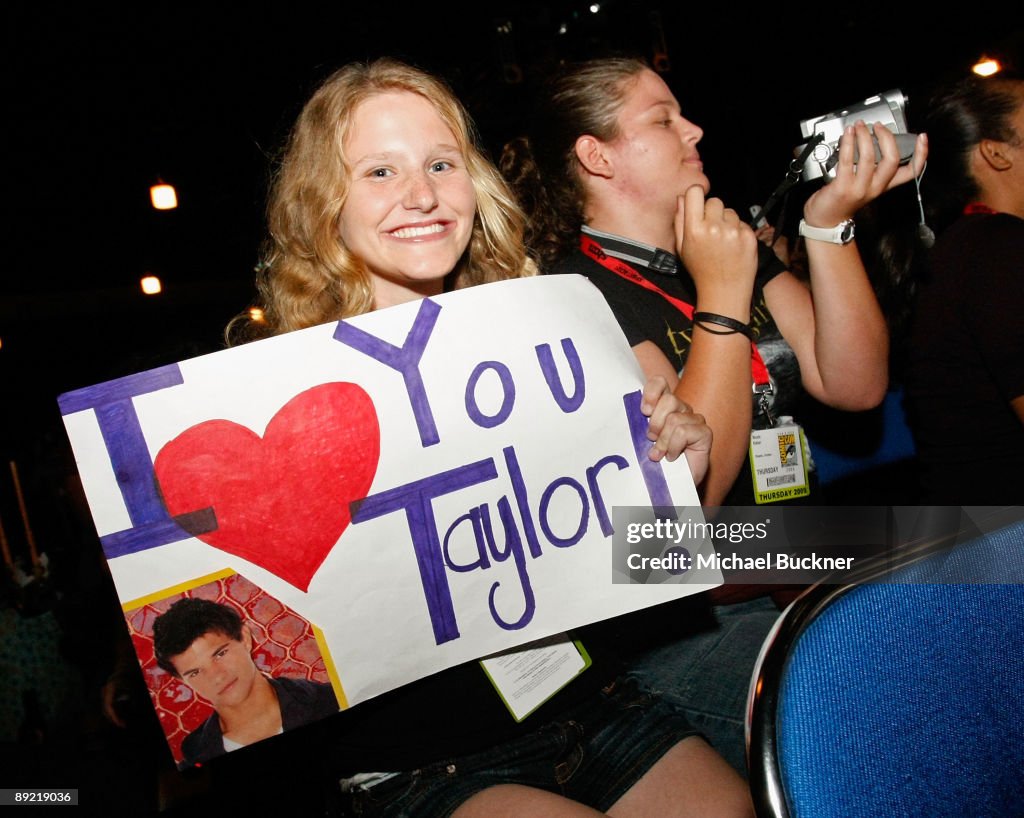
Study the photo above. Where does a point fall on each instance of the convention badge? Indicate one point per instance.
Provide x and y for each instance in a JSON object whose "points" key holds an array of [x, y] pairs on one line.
{"points": [[527, 677], [778, 463]]}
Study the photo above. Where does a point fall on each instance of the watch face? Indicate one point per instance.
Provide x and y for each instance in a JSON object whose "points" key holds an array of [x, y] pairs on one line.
{"points": [[846, 236]]}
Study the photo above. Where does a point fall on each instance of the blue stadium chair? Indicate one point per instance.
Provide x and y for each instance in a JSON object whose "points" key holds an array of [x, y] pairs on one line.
{"points": [[889, 700]]}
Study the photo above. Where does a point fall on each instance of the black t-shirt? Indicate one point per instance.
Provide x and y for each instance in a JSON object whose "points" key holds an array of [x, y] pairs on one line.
{"points": [[300, 700], [648, 316], [966, 363]]}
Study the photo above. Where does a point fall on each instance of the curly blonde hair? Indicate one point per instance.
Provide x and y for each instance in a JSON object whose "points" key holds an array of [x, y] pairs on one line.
{"points": [[308, 276]]}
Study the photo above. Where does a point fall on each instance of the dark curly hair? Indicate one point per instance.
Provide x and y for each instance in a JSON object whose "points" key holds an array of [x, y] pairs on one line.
{"points": [[185, 621]]}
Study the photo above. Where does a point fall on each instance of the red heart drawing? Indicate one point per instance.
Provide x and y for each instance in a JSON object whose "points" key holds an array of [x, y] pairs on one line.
{"points": [[281, 501]]}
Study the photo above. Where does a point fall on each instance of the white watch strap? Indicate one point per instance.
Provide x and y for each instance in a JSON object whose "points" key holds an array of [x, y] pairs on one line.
{"points": [[842, 233]]}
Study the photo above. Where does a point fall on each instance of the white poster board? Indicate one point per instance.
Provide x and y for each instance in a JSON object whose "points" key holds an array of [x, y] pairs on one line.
{"points": [[425, 484]]}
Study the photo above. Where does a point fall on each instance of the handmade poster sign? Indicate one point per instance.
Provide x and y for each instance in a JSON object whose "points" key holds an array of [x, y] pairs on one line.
{"points": [[424, 485]]}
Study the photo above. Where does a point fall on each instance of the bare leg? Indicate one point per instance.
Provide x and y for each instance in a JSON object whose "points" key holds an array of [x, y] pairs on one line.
{"points": [[515, 801], [691, 779]]}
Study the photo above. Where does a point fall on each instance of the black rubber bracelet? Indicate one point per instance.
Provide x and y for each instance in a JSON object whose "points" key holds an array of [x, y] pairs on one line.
{"points": [[733, 326]]}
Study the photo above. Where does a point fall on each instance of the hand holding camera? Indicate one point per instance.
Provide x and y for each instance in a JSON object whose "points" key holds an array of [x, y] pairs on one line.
{"points": [[832, 149], [888, 109], [858, 182], [892, 156]]}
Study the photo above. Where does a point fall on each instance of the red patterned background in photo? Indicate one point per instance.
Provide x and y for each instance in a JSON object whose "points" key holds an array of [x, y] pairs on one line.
{"points": [[283, 645]]}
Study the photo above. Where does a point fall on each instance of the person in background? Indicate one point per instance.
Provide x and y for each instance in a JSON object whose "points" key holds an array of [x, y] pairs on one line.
{"points": [[612, 158], [613, 184], [965, 367]]}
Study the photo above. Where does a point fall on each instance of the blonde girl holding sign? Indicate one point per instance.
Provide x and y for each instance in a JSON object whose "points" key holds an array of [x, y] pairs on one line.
{"points": [[383, 198]]}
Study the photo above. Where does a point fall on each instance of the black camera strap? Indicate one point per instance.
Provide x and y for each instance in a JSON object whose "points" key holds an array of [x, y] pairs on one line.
{"points": [[796, 169]]}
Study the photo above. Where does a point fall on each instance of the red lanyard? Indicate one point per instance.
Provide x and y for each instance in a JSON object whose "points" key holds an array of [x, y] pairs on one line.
{"points": [[978, 207], [592, 249]]}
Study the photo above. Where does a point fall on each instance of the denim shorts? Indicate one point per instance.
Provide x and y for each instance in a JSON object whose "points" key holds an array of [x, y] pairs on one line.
{"points": [[707, 674], [600, 749]]}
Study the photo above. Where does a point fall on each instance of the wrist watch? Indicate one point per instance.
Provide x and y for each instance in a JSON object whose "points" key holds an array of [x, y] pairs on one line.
{"points": [[842, 233]]}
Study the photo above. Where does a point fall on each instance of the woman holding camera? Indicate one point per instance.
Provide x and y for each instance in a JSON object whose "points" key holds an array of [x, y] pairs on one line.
{"points": [[612, 156], [614, 188]]}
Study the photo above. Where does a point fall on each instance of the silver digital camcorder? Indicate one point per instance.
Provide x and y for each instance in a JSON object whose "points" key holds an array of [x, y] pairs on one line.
{"points": [[886, 108]]}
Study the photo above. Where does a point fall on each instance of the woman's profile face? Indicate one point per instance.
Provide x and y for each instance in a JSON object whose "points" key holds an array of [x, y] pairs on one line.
{"points": [[411, 203], [655, 152]]}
